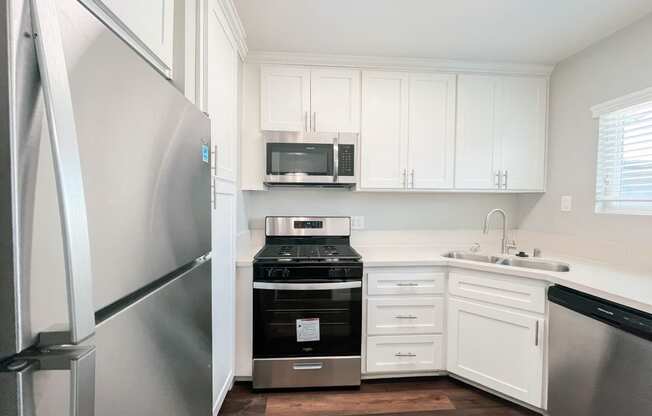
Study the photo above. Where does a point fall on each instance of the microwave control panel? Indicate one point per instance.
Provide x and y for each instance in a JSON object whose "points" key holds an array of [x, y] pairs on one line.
{"points": [[346, 160]]}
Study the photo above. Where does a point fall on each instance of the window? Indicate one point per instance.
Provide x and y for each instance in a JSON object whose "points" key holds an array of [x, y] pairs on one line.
{"points": [[624, 167]]}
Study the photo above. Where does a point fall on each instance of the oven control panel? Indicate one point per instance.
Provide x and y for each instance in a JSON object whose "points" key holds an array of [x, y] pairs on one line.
{"points": [[300, 225]]}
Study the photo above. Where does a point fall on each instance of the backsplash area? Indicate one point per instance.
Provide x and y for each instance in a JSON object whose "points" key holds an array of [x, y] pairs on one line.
{"points": [[382, 211]]}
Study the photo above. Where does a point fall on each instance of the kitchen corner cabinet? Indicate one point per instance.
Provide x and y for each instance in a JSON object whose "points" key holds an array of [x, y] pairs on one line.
{"points": [[408, 130], [304, 99], [497, 348], [147, 26], [501, 133]]}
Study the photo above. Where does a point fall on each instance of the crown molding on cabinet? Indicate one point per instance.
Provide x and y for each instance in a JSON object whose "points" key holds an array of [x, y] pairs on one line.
{"points": [[629, 100], [235, 24], [392, 63]]}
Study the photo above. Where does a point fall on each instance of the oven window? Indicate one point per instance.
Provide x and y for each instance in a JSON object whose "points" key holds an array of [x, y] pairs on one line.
{"points": [[332, 316], [309, 159]]}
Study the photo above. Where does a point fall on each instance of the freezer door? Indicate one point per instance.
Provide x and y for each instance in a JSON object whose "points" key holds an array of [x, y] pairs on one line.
{"points": [[145, 175], [152, 357]]}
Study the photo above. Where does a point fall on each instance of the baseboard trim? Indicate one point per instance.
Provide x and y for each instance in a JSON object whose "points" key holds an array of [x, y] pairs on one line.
{"points": [[222, 394]]}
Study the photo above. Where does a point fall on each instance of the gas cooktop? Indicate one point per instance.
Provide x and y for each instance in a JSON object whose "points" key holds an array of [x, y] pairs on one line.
{"points": [[307, 239]]}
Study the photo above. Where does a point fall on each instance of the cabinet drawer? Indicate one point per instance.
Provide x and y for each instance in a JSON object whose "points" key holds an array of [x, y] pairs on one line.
{"points": [[514, 292], [404, 353], [400, 282], [407, 315]]}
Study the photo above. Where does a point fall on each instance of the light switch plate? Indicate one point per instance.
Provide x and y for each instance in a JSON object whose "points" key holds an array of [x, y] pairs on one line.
{"points": [[357, 222], [566, 203]]}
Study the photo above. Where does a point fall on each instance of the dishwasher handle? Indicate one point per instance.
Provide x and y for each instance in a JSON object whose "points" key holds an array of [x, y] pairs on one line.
{"points": [[623, 317]]}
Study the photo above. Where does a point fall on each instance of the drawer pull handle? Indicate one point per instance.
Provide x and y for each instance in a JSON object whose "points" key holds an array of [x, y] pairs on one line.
{"points": [[308, 366], [407, 284], [405, 317], [407, 354]]}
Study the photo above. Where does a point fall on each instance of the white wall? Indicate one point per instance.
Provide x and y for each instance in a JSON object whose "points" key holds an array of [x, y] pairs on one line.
{"points": [[382, 211], [615, 66]]}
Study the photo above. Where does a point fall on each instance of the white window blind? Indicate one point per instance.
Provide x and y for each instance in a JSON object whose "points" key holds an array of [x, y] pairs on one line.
{"points": [[624, 168]]}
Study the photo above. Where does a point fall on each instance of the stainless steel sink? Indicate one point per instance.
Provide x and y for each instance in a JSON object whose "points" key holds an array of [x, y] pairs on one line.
{"points": [[528, 263], [465, 255], [539, 264]]}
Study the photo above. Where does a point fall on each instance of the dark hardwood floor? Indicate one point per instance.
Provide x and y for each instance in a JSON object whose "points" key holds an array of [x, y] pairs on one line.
{"points": [[436, 396]]}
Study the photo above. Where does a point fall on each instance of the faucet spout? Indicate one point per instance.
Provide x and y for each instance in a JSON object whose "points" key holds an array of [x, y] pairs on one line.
{"points": [[505, 246]]}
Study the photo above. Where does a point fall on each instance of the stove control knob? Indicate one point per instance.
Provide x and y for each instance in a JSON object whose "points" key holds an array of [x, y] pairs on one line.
{"points": [[286, 273], [336, 272]]}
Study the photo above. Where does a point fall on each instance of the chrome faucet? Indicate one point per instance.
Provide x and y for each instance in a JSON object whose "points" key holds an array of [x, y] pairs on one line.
{"points": [[505, 244]]}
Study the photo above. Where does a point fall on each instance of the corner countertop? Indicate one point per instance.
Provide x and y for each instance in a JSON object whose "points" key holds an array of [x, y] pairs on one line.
{"points": [[631, 288]]}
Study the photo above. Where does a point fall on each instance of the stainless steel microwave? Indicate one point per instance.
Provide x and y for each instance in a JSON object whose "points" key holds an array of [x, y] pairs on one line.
{"points": [[320, 159]]}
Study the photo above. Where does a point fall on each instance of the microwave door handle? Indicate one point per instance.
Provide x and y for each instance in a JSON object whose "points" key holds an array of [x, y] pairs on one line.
{"points": [[68, 173], [336, 158], [307, 286]]}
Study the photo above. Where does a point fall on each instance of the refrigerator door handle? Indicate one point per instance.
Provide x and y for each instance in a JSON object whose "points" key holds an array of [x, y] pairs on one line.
{"points": [[68, 172], [16, 378]]}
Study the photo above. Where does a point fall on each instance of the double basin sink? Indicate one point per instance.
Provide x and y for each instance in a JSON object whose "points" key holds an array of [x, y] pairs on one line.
{"points": [[528, 263]]}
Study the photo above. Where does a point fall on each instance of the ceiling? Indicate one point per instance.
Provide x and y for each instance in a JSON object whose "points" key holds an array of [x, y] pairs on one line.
{"points": [[527, 31]]}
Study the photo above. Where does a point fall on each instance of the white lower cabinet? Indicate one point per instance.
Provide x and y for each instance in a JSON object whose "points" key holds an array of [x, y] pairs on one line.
{"points": [[405, 316], [487, 328], [411, 353], [497, 348]]}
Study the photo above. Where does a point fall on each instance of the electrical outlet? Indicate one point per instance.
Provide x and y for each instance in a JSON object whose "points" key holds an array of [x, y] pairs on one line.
{"points": [[566, 203], [357, 223]]}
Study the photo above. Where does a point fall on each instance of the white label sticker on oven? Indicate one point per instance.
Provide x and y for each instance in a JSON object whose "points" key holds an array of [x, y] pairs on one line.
{"points": [[307, 330]]}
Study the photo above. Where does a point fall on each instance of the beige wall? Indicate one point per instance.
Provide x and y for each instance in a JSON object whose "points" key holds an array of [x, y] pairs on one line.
{"points": [[615, 66]]}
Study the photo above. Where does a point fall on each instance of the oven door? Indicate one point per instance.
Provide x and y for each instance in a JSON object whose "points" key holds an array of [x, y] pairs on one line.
{"points": [[300, 163], [307, 318]]}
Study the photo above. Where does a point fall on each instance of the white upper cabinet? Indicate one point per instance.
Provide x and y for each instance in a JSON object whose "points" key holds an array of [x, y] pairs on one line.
{"points": [[301, 99], [501, 133], [384, 130], [335, 100], [408, 131], [476, 164], [431, 125], [146, 25], [521, 120], [284, 98]]}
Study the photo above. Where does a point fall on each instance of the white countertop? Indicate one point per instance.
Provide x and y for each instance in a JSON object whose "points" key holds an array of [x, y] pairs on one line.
{"points": [[628, 287]]}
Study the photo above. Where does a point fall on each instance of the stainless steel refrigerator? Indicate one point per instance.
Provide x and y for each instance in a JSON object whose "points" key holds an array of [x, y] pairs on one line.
{"points": [[105, 287]]}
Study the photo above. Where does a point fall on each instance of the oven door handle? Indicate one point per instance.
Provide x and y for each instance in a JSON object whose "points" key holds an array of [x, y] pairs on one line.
{"points": [[307, 286]]}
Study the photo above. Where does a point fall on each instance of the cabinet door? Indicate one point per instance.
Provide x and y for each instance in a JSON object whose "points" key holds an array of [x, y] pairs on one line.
{"points": [[476, 152], [498, 348], [223, 287], [284, 98], [145, 25], [431, 154], [521, 120], [222, 94], [335, 100], [383, 136]]}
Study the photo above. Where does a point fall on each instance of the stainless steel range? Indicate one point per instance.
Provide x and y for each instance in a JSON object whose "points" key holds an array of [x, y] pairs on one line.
{"points": [[307, 297]]}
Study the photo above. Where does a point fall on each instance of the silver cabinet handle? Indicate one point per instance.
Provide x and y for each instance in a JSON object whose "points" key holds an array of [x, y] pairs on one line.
{"points": [[305, 121], [405, 317], [404, 178], [407, 354], [68, 172], [409, 284], [505, 179], [536, 333], [412, 175], [306, 286], [314, 123], [17, 379], [497, 177]]}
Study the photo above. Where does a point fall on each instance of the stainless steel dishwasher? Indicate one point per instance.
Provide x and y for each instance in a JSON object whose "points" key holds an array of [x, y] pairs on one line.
{"points": [[600, 357]]}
